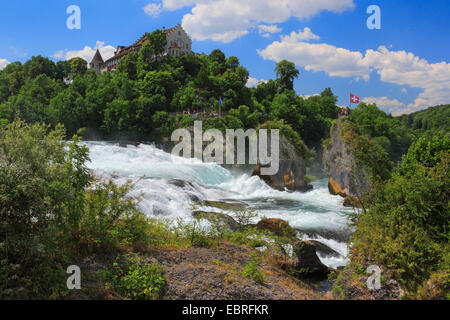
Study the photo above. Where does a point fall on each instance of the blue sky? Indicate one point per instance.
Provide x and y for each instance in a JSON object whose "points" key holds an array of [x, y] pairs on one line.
{"points": [[403, 67]]}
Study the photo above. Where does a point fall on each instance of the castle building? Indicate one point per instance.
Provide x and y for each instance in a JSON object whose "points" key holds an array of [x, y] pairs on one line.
{"points": [[178, 44]]}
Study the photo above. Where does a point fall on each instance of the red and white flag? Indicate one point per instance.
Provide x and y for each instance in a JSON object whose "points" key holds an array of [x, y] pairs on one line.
{"points": [[353, 98]]}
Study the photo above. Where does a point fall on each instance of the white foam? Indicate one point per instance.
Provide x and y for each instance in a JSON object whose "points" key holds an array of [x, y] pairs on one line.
{"points": [[339, 247]]}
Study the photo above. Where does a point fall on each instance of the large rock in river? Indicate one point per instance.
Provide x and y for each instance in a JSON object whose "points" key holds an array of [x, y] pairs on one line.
{"points": [[292, 169], [278, 227], [308, 264], [346, 178]]}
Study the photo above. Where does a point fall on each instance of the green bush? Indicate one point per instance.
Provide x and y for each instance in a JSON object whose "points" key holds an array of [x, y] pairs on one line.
{"points": [[135, 278], [41, 201], [54, 211], [406, 228], [367, 153], [111, 220], [252, 270]]}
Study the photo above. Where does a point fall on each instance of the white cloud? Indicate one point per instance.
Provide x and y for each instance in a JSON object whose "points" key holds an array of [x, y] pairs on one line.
{"points": [[177, 4], [307, 96], [304, 35], [153, 9], [3, 63], [58, 54], [266, 29], [393, 106], [318, 57], [87, 53], [404, 90], [227, 20], [253, 82], [396, 67], [404, 68]]}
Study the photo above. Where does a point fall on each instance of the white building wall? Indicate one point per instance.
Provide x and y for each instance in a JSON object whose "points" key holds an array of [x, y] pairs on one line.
{"points": [[180, 37]]}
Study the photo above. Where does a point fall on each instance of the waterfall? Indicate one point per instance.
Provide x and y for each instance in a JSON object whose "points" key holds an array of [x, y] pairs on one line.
{"points": [[317, 214]]}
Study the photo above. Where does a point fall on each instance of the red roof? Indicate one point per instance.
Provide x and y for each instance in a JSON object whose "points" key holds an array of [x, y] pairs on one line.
{"points": [[167, 31]]}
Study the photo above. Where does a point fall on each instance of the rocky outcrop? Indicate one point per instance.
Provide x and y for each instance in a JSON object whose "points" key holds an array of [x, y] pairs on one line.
{"points": [[308, 264], [346, 177], [292, 170], [278, 227], [304, 262], [217, 217]]}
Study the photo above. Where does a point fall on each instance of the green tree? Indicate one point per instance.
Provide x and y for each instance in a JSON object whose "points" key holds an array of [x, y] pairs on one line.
{"points": [[12, 78], [286, 73], [249, 120], [158, 41], [376, 123], [128, 65], [78, 67], [185, 98], [31, 104], [191, 64], [164, 122], [39, 65], [40, 202]]}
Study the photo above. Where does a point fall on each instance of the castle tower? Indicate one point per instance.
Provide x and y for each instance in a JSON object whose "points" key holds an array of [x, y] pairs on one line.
{"points": [[97, 63]]}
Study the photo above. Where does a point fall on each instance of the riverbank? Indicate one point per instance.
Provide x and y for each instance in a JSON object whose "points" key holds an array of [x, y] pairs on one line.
{"points": [[199, 273]]}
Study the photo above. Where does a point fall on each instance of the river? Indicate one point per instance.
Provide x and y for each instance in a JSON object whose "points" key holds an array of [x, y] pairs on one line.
{"points": [[316, 214]]}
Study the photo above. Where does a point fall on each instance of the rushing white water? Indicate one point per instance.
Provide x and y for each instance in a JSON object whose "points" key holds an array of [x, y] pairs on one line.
{"points": [[316, 213]]}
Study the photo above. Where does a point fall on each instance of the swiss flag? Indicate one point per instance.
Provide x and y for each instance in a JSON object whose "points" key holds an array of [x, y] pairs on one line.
{"points": [[353, 98]]}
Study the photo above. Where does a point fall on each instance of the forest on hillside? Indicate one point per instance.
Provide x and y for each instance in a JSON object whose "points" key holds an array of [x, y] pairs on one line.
{"points": [[430, 121], [146, 97]]}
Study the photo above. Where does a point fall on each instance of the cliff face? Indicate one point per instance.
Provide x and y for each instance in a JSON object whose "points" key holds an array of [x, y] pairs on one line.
{"points": [[346, 178], [292, 170]]}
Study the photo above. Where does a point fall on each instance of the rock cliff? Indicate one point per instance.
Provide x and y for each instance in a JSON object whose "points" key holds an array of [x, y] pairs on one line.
{"points": [[346, 178]]}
